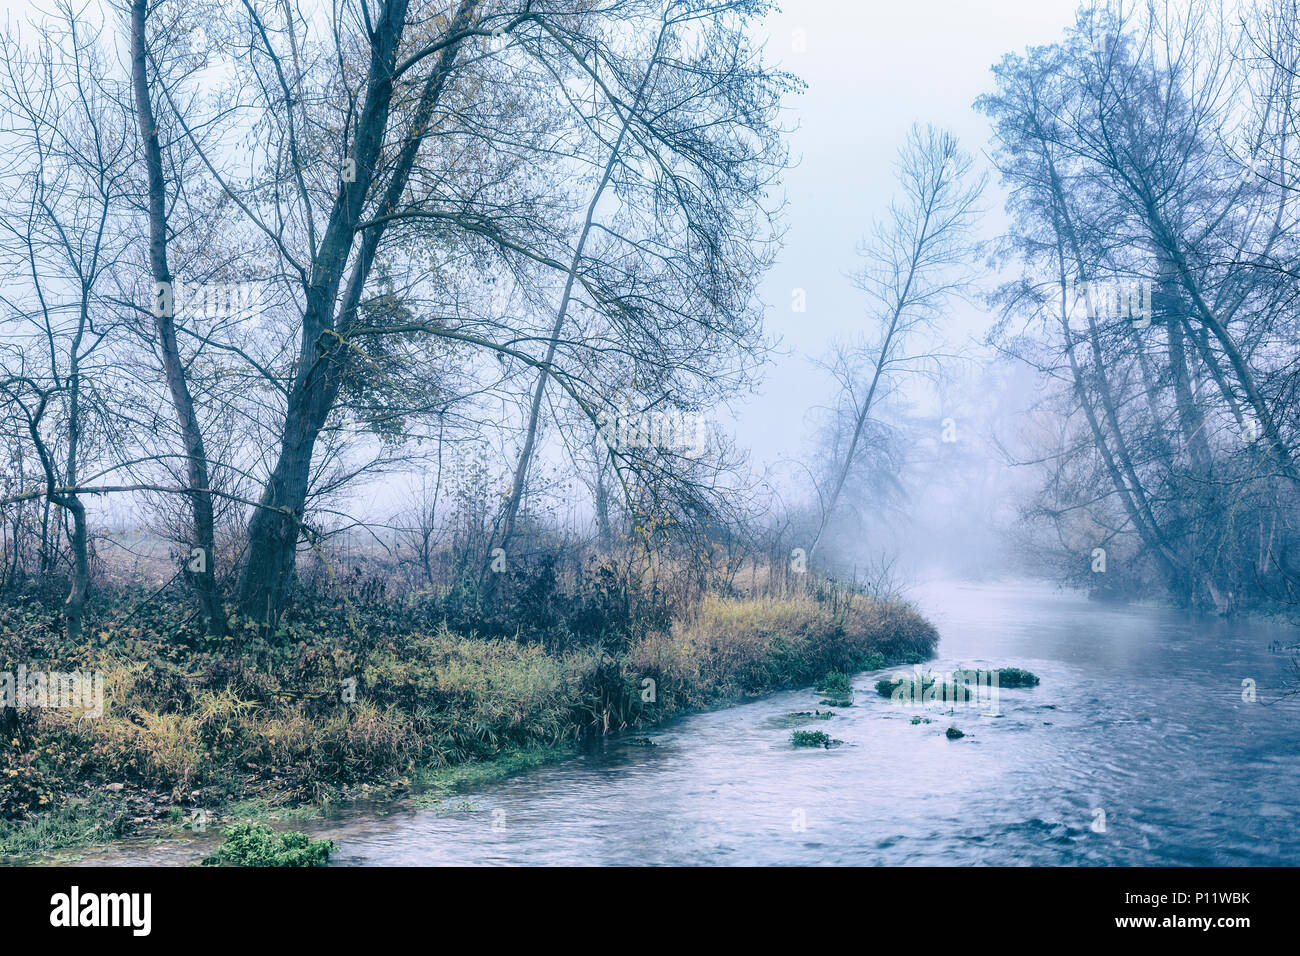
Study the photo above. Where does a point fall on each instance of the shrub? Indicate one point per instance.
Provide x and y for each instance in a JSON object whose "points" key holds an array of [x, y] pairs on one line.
{"points": [[25, 786]]}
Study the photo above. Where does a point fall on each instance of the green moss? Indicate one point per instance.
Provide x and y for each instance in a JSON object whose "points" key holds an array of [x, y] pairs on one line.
{"points": [[930, 686], [256, 844], [259, 808], [920, 720], [916, 690], [802, 717]]}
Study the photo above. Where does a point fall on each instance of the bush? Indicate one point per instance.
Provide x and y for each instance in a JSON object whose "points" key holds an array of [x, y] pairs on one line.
{"points": [[25, 786], [256, 844]]}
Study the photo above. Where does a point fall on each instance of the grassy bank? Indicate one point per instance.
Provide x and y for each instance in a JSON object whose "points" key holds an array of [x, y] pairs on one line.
{"points": [[354, 702]]}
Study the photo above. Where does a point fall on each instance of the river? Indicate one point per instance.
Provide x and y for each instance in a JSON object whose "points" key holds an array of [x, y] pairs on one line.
{"points": [[1137, 748]]}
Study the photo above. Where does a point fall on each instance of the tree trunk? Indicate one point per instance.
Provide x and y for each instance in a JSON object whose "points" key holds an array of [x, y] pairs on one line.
{"points": [[275, 525], [1209, 319], [196, 462], [75, 605], [604, 531]]}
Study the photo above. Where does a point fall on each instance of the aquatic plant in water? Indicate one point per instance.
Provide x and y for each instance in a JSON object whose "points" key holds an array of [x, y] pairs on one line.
{"points": [[256, 844], [813, 738]]}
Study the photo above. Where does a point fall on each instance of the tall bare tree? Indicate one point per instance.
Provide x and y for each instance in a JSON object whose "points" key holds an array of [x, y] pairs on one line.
{"points": [[201, 564], [915, 263]]}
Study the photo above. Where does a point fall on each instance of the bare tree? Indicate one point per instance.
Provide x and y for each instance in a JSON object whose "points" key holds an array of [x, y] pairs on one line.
{"points": [[915, 265], [621, 121], [61, 247], [202, 565]]}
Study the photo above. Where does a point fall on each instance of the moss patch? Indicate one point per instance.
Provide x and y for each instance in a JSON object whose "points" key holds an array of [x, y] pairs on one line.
{"points": [[435, 784], [965, 686], [804, 716], [914, 689]]}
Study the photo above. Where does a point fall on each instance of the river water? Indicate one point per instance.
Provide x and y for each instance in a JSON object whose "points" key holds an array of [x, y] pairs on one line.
{"points": [[1137, 748]]}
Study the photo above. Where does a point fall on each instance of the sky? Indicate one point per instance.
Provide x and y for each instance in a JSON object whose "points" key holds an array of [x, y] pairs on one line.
{"points": [[873, 69]]}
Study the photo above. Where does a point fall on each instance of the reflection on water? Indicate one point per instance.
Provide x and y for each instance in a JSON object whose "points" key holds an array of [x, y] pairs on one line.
{"points": [[1139, 717]]}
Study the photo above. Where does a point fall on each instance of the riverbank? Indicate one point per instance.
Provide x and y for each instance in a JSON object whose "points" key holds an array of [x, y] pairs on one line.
{"points": [[353, 705]]}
